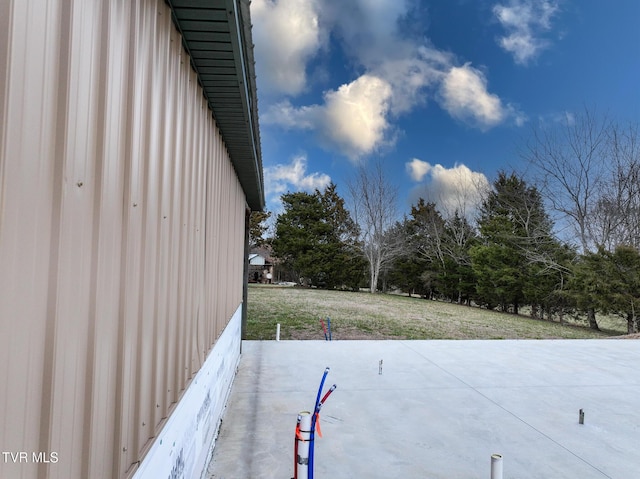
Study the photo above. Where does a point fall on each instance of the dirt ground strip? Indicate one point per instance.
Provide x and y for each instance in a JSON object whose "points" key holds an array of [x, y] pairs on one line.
{"points": [[628, 336]]}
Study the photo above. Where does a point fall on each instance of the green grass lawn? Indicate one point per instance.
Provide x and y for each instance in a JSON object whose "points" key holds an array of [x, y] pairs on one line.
{"points": [[386, 316]]}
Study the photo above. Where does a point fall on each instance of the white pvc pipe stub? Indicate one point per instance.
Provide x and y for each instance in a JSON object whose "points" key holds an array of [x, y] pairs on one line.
{"points": [[278, 332], [496, 466], [302, 461]]}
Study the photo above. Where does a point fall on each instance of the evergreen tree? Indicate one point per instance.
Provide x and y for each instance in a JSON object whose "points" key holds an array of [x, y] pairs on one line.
{"points": [[348, 265], [436, 258], [458, 281], [407, 268], [609, 282], [515, 231], [258, 227], [427, 229], [315, 238]]}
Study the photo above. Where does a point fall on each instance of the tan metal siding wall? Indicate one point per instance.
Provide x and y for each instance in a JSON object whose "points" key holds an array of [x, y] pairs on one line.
{"points": [[121, 232]]}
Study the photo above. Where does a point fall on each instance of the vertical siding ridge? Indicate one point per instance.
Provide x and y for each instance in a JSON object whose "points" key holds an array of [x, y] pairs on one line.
{"points": [[87, 442], [146, 281], [6, 34], [48, 392], [121, 465], [160, 293]]}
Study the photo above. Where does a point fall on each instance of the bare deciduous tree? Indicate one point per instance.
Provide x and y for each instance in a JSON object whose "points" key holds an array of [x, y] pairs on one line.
{"points": [[616, 218], [374, 201], [569, 160], [589, 171]]}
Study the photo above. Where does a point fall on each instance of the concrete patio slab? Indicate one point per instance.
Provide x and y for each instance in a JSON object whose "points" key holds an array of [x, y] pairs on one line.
{"points": [[438, 410]]}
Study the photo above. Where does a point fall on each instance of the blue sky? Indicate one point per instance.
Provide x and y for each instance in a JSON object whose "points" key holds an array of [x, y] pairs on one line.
{"points": [[440, 92]]}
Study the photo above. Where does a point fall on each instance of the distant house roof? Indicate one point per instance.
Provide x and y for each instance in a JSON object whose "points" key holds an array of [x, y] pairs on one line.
{"points": [[257, 259], [217, 36]]}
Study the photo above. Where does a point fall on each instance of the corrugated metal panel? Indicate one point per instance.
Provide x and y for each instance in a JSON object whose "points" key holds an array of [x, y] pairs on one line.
{"points": [[121, 232]]}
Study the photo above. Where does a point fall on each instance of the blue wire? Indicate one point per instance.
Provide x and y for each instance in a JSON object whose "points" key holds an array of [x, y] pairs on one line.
{"points": [[313, 424], [329, 321]]}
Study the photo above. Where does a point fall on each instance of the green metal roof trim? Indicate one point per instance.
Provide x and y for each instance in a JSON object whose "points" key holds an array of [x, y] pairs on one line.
{"points": [[217, 36]]}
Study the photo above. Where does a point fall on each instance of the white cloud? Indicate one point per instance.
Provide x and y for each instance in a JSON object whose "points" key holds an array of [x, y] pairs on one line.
{"points": [[292, 177], [412, 76], [525, 21], [464, 95], [519, 117], [399, 70], [417, 169], [563, 118], [287, 35], [374, 36], [352, 120], [368, 28], [355, 116], [286, 115], [452, 189]]}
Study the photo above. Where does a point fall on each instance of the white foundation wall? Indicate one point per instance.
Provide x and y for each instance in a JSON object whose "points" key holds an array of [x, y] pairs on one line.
{"points": [[183, 447], [122, 225]]}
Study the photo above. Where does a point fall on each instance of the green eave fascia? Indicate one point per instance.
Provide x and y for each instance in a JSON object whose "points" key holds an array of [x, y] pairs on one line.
{"points": [[217, 36]]}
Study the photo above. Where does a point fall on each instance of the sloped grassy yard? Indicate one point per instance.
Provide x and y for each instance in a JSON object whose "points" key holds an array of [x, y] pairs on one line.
{"points": [[384, 316]]}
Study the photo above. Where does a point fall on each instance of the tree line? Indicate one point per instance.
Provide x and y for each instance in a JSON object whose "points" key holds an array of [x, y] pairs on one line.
{"points": [[563, 240]]}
